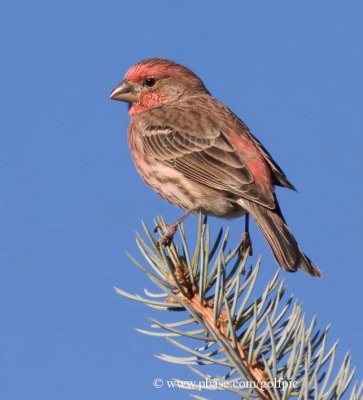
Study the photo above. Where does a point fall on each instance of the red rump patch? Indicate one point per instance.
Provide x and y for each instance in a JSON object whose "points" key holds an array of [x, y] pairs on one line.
{"points": [[253, 159], [260, 171]]}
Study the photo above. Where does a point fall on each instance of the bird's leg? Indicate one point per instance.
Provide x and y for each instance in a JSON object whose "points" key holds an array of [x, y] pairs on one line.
{"points": [[171, 229], [246, 244]]}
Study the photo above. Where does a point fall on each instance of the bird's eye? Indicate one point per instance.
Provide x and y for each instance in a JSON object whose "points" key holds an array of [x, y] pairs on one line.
{"points": [[150, 82]]}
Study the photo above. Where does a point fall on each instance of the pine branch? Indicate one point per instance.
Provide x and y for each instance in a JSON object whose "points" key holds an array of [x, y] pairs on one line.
{"points": [[261, 343]]}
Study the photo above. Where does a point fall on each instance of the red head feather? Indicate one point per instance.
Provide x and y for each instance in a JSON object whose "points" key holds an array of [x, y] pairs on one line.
{"points": [[161, 68]]}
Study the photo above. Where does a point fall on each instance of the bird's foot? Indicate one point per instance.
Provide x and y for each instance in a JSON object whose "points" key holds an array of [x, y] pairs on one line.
{"points": [[246, 244], [167, 237], [170, 229]]}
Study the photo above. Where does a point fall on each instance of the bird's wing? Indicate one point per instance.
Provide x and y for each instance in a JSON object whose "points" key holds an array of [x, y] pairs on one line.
{"points": [[278, 174], [201, 153]]}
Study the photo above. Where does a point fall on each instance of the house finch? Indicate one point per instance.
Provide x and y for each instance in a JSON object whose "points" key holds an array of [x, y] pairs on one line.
{"points": [[197, 154]]}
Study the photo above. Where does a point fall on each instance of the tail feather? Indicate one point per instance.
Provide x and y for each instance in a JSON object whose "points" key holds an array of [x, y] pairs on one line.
{"points": [[282, 242]]}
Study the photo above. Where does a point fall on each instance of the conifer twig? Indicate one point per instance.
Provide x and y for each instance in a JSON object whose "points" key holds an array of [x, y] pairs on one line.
{"points": [[255, 338]]}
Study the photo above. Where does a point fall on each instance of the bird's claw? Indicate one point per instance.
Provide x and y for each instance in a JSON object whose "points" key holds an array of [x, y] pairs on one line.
{"points": [[167, 237], [246, 244]]}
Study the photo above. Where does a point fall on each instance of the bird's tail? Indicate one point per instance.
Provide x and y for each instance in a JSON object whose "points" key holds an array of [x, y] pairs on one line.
{"points": [[283, 244]]}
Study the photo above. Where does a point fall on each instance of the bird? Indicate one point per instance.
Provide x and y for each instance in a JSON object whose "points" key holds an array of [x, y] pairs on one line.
{"points": [[200, 156]]}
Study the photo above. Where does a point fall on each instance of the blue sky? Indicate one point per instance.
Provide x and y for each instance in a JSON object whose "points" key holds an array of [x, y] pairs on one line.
{"points": [[72, 200]]}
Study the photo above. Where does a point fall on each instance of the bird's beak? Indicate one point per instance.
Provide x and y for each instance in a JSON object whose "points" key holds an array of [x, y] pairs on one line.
{"points": [[124, 91]]}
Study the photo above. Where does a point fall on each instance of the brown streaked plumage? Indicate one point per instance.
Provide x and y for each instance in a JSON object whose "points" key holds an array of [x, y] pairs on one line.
{"points": [[197, 154]]}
